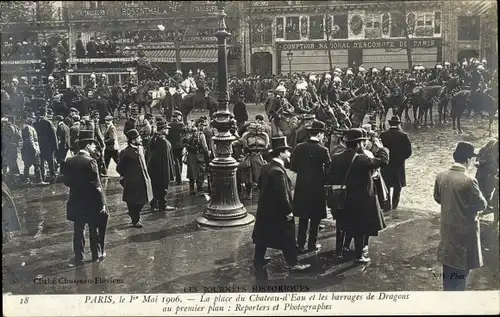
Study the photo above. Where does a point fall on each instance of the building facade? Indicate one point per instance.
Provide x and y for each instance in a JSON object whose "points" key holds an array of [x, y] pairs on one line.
{"points": [[133, 23], [303, 36]]}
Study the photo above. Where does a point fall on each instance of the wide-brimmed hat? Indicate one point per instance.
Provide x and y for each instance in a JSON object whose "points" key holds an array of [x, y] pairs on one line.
{"points": [[464, 150], [355, 135], [279, 144], [85, 136], [132, 134], [394, 120], [317, 126]]}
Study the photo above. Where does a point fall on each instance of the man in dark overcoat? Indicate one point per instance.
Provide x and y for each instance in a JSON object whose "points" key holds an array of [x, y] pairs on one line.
{"points": [[160, 166], [63, 138], [240, 112], [399, 145], [274, 223], [86, 203], [175, 135], [361, 216], [487, 166], [135, 180], [309, 161], [168, 105], [48, 143]]}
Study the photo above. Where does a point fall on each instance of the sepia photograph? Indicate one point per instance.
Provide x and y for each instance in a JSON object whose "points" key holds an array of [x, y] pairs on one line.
{"points": [[249, 157]]}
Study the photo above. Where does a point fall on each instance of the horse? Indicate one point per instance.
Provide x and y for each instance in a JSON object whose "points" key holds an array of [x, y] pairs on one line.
{"points": [[423, 100], [485, 102], [459, 103]]}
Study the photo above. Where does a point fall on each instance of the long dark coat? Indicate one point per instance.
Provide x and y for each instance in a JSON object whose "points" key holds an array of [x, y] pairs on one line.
{"points": [[211, 105], [362, 213], [63, 136], [161, 162], [272, 228], [86, 197], [399, 146], [47, 138], [240, 111], [137, 184], [309, 161]]}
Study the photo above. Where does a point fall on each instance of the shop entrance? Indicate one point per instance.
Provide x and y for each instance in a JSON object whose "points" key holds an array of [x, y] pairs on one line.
{"points": [[355, 57]]}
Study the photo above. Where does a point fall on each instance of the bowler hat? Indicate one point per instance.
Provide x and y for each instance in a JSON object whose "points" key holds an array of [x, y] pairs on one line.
{"points": [[177, 113], [132, 134], [464, 150], [355, 135], [86, 136], [279, 144], [394, 120], [108, 118], [59, 118], [317, 126]]}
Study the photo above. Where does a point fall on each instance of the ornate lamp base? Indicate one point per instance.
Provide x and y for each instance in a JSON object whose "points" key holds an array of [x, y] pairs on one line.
{"points": [[204, 222], [225, 208]]}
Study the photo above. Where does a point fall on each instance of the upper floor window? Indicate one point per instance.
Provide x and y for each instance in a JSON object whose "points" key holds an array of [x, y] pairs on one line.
{"points": [[373, 26], [469, 28], [94, 4], [339, 27], [292, 28], [261, 32], [280, 28], [398, 24], [424, 24], [316, 27]]}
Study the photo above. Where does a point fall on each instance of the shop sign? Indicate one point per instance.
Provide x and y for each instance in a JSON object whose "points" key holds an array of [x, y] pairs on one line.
{"points": [[362, 44], [102, 60], [22, 62]]}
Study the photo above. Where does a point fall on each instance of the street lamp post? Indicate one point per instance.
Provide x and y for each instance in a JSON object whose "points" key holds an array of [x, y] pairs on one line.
{"points": [[225, 208], [289, 55]]}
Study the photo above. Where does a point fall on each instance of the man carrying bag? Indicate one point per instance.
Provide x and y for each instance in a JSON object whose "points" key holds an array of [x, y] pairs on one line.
{"points": [[352, 197]]}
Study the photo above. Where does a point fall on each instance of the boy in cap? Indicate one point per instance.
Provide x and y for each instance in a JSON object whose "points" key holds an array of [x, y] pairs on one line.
{"points": [[110, 142], [63, 138], [461, 201]]}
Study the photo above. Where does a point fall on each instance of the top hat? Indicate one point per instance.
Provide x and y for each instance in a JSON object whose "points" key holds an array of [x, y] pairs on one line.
{"points": [[108, 118], [132, 134], [464, 150], [394, 120], [177, 113], [317, 126], [355, 135], [86, 136], [279, 143]]}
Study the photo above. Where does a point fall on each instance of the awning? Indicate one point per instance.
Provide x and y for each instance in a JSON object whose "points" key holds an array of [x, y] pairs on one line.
{"points": [[187, 55]]}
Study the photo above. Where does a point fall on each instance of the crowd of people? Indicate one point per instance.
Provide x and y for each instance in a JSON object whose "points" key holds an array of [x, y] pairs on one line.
{"points": [[363, 170]]}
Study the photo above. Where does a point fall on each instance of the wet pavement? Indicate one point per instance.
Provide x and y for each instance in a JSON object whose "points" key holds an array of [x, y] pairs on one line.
{"points": [[171, 254]]}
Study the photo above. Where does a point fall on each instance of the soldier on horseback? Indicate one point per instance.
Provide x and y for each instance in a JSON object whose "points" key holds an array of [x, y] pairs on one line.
{"points": [[311, 88], [301, 100]]}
